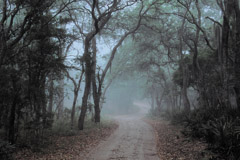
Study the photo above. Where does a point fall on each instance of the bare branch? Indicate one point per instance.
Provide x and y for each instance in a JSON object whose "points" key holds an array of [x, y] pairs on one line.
{"points": [[196, 24], [211, 19], [124, 37]]}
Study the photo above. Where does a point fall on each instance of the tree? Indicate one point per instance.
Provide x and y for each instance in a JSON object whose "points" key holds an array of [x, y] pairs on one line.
{"points": [[97, 89], [99, 21], [28, 53], [76, 89]]}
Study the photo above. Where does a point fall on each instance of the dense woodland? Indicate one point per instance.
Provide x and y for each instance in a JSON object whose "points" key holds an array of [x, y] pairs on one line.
{"points": [[185, 54]]}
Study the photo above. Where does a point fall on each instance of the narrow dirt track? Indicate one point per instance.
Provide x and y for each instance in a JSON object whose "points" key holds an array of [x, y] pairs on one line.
{"points": [[133, 140]]}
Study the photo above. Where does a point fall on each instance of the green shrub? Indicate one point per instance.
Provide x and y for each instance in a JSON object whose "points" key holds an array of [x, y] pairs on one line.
{"points": [[63, 127], [193, 121], [224, 132], [220, 127]]}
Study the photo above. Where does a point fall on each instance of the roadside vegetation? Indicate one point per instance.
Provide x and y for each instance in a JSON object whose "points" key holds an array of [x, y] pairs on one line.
{"points": [[62, 142]]}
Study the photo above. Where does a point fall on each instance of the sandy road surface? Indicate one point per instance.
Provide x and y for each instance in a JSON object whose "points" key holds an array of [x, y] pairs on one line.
{"points": [[133, 140]]}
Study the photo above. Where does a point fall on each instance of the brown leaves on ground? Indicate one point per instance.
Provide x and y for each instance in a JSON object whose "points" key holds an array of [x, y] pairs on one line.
{"points": [[172, 145], [70, 147]]}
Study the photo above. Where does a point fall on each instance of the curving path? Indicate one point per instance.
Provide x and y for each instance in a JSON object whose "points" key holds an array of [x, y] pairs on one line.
{"points": [[133, 140]]}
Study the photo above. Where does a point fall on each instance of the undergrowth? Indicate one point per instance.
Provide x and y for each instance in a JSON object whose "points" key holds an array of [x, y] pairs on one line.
{"points": [[60, 128], [219, 127]]}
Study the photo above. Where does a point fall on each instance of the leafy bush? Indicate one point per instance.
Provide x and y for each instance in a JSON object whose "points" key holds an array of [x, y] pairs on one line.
{"points": [[63, 127], [224, 132], [220, 127]]}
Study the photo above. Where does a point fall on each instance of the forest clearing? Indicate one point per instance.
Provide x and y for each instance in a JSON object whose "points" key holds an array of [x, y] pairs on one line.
{"points": [[120, 79]]}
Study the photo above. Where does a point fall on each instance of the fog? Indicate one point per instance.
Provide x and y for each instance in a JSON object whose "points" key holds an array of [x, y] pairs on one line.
{"points": [[124, 96]]}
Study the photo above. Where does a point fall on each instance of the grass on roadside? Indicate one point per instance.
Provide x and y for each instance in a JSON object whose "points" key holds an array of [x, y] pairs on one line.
{"points": [[64, 143]]}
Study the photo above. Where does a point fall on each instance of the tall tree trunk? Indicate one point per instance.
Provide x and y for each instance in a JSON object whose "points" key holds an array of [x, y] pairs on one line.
{"points": [[96, 89], [152, 99], [50, 105], [44, 104], [104, 92], [184, 71], [76, 90], [159, 101], [99, 23], [61, 92], [88, 73], [186, 102], [97, 115], [60, 98], [73, 108], [237, 54], [11, 131]]}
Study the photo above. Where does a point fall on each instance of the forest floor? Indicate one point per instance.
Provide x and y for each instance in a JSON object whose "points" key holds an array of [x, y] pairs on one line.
{"points": [[132, 137], [74, 147], [173, 145], [142, 138]]}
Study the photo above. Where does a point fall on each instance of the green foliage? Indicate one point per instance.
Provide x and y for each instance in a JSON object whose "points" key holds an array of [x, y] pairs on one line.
{"points": [[220, 127], [177, 77], [63, 127], [25, 69], [224, 132]]}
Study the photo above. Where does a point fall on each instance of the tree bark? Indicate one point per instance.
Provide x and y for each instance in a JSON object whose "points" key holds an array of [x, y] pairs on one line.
{"points": [[237, 54], [184, 71], [73, 108], [97, 91], [11, 132], [88, 73], [105, 91], [186, 102], [159, 101], [50, 106], [76, 90], [61, 98], [99, 23]]}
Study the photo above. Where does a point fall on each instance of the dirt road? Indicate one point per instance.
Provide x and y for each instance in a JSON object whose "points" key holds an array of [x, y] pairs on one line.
{"points": [[133, 140]]}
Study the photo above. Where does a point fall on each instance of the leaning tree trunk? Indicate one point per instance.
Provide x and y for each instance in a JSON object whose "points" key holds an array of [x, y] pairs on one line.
{"points": [[88, 73], [102, 98], [76, 90], [99, 23], [73, 108]]}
